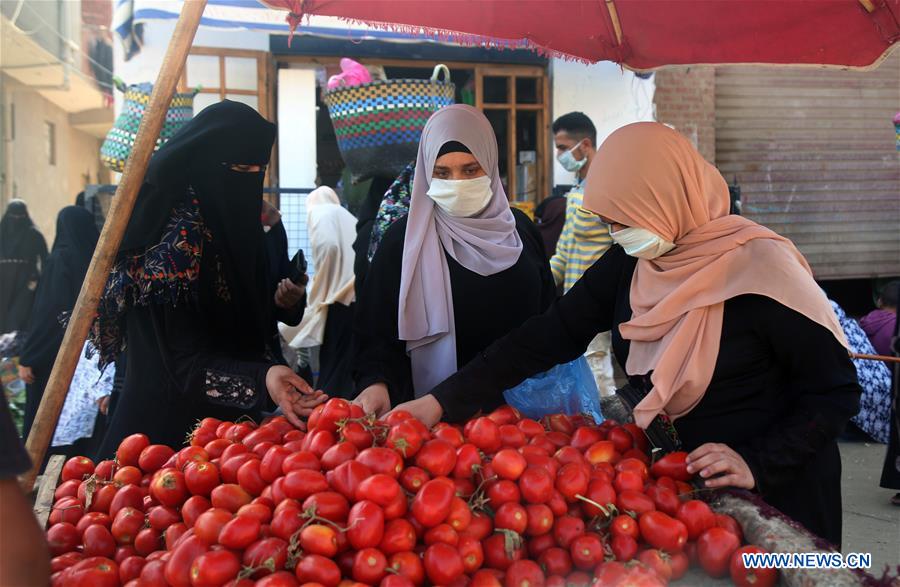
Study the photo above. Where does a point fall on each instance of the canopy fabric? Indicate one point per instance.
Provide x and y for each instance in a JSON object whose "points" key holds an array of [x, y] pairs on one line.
{"points": [[641, 34]]}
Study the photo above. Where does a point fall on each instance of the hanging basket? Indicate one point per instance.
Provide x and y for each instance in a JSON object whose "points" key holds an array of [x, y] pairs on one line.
{"points": [[378, 124], [120, 139]]}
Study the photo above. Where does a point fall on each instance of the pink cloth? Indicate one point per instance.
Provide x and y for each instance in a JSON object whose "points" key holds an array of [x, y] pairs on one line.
{"points": [[879, 326], [352, 74]]}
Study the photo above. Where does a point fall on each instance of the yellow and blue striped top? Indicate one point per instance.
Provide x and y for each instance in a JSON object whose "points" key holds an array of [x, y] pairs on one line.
{"points": [[583, 240]]}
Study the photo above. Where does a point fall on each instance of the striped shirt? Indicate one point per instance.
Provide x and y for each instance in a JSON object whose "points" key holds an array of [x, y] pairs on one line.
{"points": [[584, 239]]}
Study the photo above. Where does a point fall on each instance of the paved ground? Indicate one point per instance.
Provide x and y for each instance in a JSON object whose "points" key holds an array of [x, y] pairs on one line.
{"points": [[871, 523]]}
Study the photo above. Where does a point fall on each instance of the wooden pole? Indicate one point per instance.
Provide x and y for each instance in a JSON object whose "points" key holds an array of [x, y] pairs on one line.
{"points": [[110, 237], [875, 358]]}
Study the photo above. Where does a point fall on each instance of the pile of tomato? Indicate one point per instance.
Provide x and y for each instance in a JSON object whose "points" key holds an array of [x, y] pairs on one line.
{"points": [[502, 501]]}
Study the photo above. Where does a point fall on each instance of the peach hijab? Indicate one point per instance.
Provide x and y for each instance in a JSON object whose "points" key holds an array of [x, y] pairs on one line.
{"points": [[649, 176]]}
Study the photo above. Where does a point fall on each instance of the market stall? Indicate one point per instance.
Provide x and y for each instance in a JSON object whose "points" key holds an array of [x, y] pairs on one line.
{"points": [[596, 474]]}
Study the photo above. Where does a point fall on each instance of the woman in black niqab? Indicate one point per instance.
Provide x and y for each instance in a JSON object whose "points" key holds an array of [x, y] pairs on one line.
{"points": [[23, 251], [191, 293], [76, 237]]}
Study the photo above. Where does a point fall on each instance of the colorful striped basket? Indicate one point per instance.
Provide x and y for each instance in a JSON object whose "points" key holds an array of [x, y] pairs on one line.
{"points": [[378, 124], [120, 139]]}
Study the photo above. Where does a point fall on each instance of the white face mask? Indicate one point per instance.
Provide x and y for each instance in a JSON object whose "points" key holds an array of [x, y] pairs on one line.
{"points": [[641, 243], [569, 162], [461, 198]]}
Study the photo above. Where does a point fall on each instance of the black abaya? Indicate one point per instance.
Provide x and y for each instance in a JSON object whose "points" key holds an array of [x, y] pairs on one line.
{"points": [[23, 252], [782, 390]]}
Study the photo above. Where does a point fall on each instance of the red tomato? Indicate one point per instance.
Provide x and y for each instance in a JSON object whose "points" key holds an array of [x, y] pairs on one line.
{"points": [[624, 548], [585, 436], [603, 451], [625, 525], [586, 551], [127, 523], [250, 479], [382, 460], [536, 485], [192, 508], [345, 478], [319, 539], [657, 561], [95, 571], [130, 568], [730, 524], [621, 439], [89, 519], [600, 493], [128, 475], [201, 477], [300, 460], [68, 509], [369, 566], [437, 457], [357, 434], [103, 498], [259, 553], [503, 492], [148, 540], [499, 547], [524, 573], [512, 436], [663, 531], [105, 470], [98, 541], [380, 488], [460, 515], [629, 481], [468, 461], [557, 504], [278, 579], [566, 529], [337, 454], [329, 505], [487, 578], [67, 489], [472, 553], [405, 438], [449, 433], [409, 565], [714, 549], [413, 478], [679, 564], [665, 500], [697, 517], [319, 441], [509, 464], [210, 523], [744, 577], [530, 428], [178, 567], [168, 487], [214, 568], [480, 527], [240, 532], [559, 423], [286, 520], [153, 457], [215, 448], [128, 496], [431, 505], [556, 561], [312, 568], [62, 538], [511, 516], [301, 484], [270, 466], [443, 564], [365, 525], [540, 519], [335, 410], [672, 465], [442, 533], [634, 501], [572, 480], [399, 536], [77, 468], [190, 453], [231, 497], [485, 434], [130, 448]]}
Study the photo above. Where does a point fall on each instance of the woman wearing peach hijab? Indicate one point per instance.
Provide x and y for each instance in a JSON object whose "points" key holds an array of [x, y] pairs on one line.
{"points": [[717, 319]]}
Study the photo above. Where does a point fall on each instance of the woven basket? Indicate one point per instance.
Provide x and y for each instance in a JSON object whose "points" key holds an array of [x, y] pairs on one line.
{"points": [[378, 125], [120, 139]]}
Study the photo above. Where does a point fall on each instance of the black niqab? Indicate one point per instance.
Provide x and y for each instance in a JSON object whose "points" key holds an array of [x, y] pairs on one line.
{"points": [[198, 158], [22, 250]]}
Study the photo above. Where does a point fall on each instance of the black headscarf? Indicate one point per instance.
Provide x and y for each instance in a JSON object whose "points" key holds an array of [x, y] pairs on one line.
{"points": [[19, 239], [76, 237], [192, 171], [22, 250]]}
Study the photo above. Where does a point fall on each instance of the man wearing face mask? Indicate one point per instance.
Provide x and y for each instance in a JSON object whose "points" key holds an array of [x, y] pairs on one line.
{"points": [[460, 270], [729, 344], [584, 236]]}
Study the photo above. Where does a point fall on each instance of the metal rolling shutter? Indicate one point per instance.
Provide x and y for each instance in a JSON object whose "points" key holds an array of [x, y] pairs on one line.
{"points": [[814, 152]]}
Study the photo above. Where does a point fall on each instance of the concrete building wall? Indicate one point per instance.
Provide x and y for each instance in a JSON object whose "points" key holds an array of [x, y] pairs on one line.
{"points": [[686, 99], [30, 176]]}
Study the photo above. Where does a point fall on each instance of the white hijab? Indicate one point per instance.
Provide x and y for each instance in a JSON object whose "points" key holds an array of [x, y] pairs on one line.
{"points": [[332, 230]]}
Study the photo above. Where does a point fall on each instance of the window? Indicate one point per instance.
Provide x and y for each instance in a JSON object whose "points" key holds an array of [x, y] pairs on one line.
{"points": [[234, 74], [50, 142]]}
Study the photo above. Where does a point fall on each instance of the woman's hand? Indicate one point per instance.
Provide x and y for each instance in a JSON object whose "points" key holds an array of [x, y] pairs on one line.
{"points": [[26, 374], [426, 409], [103, 405], [292, 394], [374, 399], [720, 466], [289, 294]]}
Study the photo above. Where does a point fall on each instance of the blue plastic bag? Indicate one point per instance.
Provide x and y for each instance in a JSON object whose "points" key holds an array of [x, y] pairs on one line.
{"points": [[568, 388]]}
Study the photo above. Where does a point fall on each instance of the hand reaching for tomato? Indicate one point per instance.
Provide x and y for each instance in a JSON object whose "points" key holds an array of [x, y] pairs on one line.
{"points": [[292, 394], [374, 399], [720, 466], [426, 408]]}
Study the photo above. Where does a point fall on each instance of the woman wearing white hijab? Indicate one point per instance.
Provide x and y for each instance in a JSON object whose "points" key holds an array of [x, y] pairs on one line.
{"points": [[460, 269], [327, 320]]}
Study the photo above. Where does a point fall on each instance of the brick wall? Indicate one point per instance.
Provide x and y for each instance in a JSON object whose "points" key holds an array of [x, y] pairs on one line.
{"points": [[685, 98], [97, 12]]}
